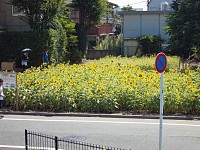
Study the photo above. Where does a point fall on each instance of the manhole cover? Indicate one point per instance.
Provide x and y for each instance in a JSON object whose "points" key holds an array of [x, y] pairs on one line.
{"points": [[74, 138]]}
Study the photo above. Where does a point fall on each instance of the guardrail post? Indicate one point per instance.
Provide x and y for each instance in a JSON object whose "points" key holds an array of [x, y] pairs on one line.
{"points": [[56, 143], [26, 139]]}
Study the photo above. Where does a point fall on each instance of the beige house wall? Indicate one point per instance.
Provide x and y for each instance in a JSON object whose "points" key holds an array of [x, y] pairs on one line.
{"points": [[150, 23], [130, 46]]}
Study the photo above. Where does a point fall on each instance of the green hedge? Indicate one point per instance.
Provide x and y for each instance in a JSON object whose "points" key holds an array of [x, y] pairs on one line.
{"points": [[12, 43]]}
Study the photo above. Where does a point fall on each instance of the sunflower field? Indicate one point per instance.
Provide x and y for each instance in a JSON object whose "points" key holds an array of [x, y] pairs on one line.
{"points": [[108, 85]]}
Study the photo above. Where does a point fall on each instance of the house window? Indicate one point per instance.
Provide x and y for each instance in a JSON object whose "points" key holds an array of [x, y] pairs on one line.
{"points": [[16, 11]]}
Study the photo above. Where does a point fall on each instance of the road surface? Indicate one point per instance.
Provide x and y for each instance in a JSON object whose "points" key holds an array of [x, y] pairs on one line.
{"points": [[135, 134]]}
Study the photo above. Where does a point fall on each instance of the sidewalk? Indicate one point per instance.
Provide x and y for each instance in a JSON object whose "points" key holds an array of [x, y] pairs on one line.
{"points": [[116, 115]]}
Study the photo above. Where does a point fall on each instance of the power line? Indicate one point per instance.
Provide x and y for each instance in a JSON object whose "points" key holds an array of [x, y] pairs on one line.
{"points": [[138, 2], [134, 3]]}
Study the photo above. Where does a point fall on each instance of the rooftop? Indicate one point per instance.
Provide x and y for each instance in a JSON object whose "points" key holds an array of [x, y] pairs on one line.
{"points": [[142, 12]]}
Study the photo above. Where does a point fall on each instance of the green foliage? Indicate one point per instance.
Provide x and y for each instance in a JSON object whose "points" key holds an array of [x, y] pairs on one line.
{"points": [[183, 26], [58, 42], [39, 14], [108, 43], [150, 44], [82, 38], [12, 43], [50, 16], [91, 12], [196, 53], [117, 23], [117, 29], [69, 28], [127, 8], [74, 56]]}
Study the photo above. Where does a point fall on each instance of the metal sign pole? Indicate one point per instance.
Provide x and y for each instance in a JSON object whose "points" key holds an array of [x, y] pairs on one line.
{"points": [[161, 109]]}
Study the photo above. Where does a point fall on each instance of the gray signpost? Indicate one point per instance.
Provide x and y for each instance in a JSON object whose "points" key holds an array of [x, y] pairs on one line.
{"points": [[160, 64]]}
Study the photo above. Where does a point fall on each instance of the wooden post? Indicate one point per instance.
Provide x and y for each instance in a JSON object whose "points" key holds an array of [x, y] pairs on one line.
{"points": [[17, 95]]}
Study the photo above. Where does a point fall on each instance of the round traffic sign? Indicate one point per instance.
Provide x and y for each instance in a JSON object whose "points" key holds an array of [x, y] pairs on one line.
{"points": [[161, 62]]}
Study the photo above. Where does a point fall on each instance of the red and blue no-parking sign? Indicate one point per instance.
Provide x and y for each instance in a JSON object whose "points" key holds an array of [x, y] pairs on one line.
{"points": [[161, 62]]}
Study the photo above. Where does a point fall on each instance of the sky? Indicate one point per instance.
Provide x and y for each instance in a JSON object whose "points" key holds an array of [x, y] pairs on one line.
{"points": [[133, 3]]}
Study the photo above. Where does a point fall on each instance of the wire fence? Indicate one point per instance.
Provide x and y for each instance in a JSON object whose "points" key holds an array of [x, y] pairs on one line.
{"points": [[40, 141]]}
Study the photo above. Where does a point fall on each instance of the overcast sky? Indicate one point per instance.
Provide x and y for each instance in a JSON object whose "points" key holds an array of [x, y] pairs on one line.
{"points": [[133, 3]]}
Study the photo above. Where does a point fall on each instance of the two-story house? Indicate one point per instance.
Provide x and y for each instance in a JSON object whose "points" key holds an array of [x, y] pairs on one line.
{"points": [[138, 23]]}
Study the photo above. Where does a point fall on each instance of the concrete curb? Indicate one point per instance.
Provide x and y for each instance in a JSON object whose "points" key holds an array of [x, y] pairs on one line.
{"points": [[99, 115]]}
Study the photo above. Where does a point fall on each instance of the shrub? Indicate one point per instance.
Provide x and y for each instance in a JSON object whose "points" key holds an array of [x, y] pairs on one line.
{"points": [[150, 44]]}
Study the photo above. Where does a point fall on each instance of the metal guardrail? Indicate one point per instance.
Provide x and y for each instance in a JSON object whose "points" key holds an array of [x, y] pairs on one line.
{"points": [[40, 141]]}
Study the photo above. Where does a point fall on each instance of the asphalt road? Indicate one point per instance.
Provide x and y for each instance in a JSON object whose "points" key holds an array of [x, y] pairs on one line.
{"points": [[135, 134]]}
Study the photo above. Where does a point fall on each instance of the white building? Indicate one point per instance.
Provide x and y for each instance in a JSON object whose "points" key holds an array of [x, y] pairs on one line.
{"points": [[159, 5], [138, 23]]}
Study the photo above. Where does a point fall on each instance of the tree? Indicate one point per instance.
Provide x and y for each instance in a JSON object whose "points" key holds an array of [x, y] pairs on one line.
{"points": [[50, 16], [117, 23], [150, 44], [127, 8], [91, 11], [39, 13], [90, 14], [183, 26]]}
